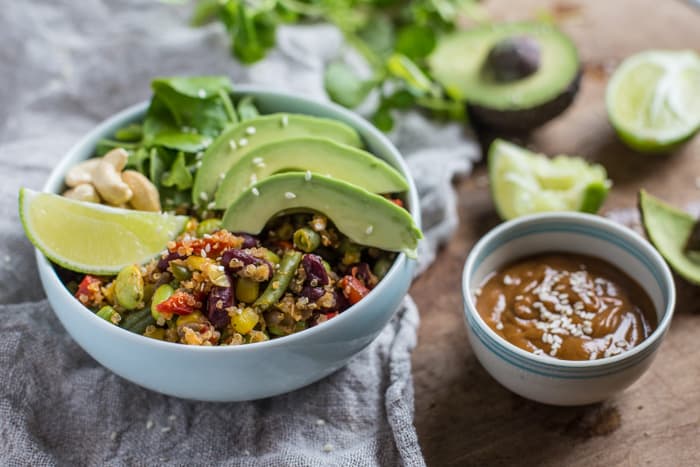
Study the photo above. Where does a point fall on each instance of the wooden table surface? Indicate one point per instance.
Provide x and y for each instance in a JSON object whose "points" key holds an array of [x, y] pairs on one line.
{"points": [[463, 416]]}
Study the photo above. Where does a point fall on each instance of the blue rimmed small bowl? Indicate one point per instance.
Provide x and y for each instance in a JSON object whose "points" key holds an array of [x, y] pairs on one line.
{"points": [[543, 378]]}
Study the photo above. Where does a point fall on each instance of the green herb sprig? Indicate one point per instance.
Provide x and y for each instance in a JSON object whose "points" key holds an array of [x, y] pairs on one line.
{"points": [[393, 36]]}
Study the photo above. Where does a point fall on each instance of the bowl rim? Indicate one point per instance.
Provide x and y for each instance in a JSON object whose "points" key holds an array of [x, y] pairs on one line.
{"points": [[136, 111], [598, 223]]}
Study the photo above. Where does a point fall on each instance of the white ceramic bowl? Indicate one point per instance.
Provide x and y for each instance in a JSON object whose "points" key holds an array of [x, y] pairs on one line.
{"points": [[542, 378], [244, 372]]}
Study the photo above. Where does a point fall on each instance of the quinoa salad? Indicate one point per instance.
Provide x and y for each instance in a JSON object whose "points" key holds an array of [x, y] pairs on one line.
{"points": [[214, 287]]}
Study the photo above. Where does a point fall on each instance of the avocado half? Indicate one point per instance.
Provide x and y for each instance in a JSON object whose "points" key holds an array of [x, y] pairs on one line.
{"points": [[514, 76]]}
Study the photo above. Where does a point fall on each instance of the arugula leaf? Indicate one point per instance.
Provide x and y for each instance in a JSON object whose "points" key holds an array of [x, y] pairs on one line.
{"points": [[179, 175], [200, 104], [187, 142], [344, 86], [198, 87], [415, 41], [130, 133], [247, 109]]}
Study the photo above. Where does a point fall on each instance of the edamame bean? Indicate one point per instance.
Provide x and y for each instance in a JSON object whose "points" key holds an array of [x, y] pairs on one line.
{"points": [[381, 267], [247, 290], [208, 226], [280, 281], [106, 313], [180, 272], [306, 239], [161, 294], [128, 287]]}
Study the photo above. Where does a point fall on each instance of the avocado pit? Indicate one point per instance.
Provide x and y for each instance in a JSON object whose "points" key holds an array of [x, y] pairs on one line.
{"points": [[513, 58]]}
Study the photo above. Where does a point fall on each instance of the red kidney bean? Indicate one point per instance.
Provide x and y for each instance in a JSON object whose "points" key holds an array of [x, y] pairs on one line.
{"points": [[164, 262], [313, 265], [248, 240], [312, 293], [219, 299]]}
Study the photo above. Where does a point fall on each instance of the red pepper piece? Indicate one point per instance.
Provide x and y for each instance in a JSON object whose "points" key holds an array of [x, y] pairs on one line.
{"points": [[353, 289], [179, 303], [88, 289]]}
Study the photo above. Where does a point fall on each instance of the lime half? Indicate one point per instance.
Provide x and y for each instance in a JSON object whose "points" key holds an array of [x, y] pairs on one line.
{"points": [[653, 99], [92, 238], [523, 182]]}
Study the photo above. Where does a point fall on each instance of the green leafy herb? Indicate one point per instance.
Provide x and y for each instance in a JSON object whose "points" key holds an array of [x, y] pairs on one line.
{"points": [[182, 120], [393, 36]]}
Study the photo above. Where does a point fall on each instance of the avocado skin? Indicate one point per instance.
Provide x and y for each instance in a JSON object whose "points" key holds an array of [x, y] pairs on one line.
{"points": [[524, 119]]}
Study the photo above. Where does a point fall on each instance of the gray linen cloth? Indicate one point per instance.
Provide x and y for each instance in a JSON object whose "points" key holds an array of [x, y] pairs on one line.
{"points": [[66, 65]]}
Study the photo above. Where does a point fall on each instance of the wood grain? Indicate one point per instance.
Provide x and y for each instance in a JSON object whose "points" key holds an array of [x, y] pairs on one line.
{"points": [[463, 416]]}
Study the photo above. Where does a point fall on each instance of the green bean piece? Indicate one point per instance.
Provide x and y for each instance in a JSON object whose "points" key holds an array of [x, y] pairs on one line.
{"points": [[161, 294], [138, 321], [208, 226], [106, 313], [180, 272], [271, 256], [381, 267], [280, 281], [306, 239], [247, 290], [128, 287], [300, 326]]}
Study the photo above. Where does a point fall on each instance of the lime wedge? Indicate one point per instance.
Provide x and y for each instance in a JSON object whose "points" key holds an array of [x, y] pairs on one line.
{"points": [[668, 229], [523, 182], [653, 99], [92, 238]]}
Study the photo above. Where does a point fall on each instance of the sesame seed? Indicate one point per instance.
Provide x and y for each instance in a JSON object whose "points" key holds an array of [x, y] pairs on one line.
{"points": [[477, 291], [250, 130], [165, 429], [289, 195], [232, 144], [369, 229], [257, 160], [253, 179], [203, 196], [242, 142], [328, 447], [172, 417], [210, 206], [255, 191], [202, 93], [307, 176], [113, 436], [246, 453], [499, 326], [199, 156], [149, 424], [284, 121], [320, 422]]}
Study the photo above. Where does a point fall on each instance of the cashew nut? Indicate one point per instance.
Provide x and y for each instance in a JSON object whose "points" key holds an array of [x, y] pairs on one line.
{"points": [[108, 180], [83, 192], [81, 173], [145, 195], [117, 157]]}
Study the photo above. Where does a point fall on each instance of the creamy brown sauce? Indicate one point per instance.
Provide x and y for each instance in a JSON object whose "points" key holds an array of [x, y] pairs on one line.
{"points": [[568, 306]]}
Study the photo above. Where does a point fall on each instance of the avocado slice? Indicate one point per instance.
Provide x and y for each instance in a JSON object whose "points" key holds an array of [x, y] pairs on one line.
{"points": [[668, 229], [513, 76], [366, 218], [309, 154], [238, 140]]}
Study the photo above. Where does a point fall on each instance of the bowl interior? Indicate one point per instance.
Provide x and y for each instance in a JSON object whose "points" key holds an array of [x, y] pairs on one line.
{"points": [[572, 233]]}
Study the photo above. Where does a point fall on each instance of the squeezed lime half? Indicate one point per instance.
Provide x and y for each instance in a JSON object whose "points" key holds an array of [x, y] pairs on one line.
{"points": [[523, 182], [653, 99], [92, 238]]}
